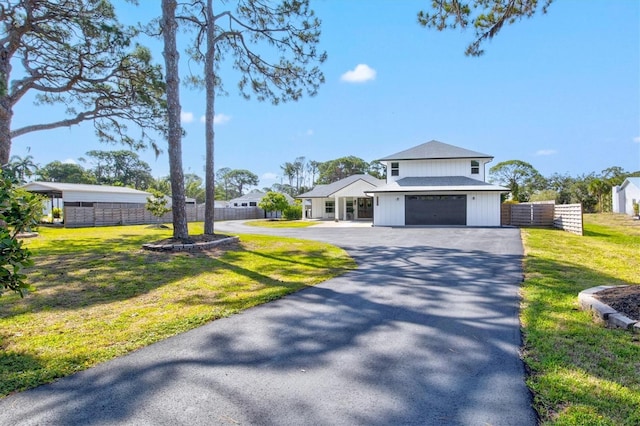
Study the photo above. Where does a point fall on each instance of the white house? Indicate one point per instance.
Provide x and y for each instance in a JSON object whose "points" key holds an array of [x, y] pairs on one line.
{"points": [[625, 195], [436, 184], [252, 199], [345, 199]]}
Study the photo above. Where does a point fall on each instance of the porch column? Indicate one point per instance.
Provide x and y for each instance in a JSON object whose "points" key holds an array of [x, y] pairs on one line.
{"points": [[336, 209]]}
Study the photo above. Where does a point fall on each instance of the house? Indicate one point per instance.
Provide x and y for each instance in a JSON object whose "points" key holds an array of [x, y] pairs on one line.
{"points": [[436, 184], [345, 199], [252, 199], [625, 195]]}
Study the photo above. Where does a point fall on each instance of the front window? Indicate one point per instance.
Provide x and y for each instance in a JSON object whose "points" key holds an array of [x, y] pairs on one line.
{"points": [[395, 169], [329, 206], [475, 167]]}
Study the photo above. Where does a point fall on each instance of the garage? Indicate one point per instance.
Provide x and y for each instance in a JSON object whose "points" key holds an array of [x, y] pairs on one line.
{"points": [[435, 210]]}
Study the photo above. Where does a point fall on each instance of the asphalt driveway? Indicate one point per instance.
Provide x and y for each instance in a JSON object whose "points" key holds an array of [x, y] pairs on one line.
{"points": [[424, 332]]}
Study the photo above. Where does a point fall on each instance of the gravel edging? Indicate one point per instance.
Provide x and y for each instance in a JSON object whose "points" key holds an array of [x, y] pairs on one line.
{"points": [[605, 312], [203, 245]]}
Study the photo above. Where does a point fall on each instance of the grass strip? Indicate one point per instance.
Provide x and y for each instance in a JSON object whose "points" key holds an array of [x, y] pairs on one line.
{"points": [[271, 223], [580, 372], [99, 296]]}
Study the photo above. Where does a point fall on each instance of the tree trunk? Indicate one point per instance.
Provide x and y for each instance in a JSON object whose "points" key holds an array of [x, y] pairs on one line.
{"points": [[210, 189], [6, 109], [169, 29]]}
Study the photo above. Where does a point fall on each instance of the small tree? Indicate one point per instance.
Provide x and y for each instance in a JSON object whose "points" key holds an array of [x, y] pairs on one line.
{"points": [[157, 204], [19, 211], [273, 202]]}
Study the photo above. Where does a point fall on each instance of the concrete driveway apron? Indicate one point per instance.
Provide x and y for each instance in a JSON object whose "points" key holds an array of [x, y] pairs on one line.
{"points": [[424, 332]]}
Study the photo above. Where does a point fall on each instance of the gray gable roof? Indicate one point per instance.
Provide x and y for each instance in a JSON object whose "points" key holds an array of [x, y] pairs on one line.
{"points": [[325, 191], [438, 183], [434, 150]]}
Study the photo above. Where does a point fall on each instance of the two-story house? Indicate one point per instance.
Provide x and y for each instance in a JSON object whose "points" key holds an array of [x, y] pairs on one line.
{"points": [[436, 184]]}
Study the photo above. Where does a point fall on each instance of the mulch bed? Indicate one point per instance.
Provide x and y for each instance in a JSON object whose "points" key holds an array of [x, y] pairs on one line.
{"points": [[194, 239], [625, 300]]}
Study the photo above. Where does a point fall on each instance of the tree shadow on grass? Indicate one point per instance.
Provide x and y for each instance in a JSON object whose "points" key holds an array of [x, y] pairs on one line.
{"points": [[419, 335]]}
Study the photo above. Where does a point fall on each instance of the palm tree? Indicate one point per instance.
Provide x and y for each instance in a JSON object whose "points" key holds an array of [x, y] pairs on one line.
{"points": [[598, 188], [22, 167]]}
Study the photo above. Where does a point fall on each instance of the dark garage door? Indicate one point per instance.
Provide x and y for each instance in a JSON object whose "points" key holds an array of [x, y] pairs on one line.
{"points": [[435, 210]]}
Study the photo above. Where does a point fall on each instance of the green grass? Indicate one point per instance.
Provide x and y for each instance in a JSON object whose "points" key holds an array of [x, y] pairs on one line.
{"points": [[281, 223], [581, 373], [98, 295]]}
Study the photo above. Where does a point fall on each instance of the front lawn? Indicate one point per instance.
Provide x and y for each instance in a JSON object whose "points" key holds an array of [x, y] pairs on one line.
{"points": [[580, 372], [98, 295]]}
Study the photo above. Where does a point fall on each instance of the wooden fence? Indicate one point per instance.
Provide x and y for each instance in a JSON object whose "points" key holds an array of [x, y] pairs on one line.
{"points": [[109, 214], [567, 217]]}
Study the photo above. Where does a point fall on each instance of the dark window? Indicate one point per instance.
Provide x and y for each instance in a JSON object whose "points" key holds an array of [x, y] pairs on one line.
{"points": [[329, 206], [244, 204], [475, 167], [253, 204], [78, 204], [395, 169]]}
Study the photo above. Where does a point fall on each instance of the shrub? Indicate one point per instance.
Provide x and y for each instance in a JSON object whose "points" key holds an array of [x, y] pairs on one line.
{"points": [[293, 212], [19, 211], [56, 212]]}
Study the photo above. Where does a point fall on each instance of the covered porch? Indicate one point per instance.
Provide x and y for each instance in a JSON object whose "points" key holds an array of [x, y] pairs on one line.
{"points": [[340, 208]]}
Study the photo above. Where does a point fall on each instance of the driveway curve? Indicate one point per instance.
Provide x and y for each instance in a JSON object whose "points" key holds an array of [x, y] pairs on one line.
{"points": [[424, 332]]}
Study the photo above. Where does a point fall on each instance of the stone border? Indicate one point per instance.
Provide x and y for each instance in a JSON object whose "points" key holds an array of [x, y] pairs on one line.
{"points": [[190, 247], [605, 312]]}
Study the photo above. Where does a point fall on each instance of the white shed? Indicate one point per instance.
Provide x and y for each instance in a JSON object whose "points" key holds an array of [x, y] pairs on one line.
{"points": [[625, 195], [77, 193]]}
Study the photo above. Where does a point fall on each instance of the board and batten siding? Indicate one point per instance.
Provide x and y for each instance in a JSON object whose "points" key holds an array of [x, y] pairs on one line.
{"points": [[318, 210], [483, 208], [388, 210], [427, 168], [356, 190]]}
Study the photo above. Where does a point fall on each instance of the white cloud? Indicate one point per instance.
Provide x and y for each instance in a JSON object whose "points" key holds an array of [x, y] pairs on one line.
{"points": [[221, 118], [546, 152], [69, 161], [636, 139], [217, 119], [269, 176], [186, 117], [360, 74]]}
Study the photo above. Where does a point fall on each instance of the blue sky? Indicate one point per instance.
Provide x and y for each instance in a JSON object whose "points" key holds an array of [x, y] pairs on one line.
{"points": [[560, 91]]}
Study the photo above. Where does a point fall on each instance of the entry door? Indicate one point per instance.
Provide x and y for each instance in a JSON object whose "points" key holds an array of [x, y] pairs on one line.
{"points": [[435, 210], [365, 208]]}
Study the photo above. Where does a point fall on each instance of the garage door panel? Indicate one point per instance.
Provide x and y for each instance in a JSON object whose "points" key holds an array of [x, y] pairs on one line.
{"points": [[436, 210]]}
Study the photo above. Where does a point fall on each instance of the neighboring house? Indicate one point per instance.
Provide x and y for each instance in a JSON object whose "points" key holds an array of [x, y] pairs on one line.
{"points": [[252, 199], [436, 184], [83, 195], [345, 199], [625, 195]]}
